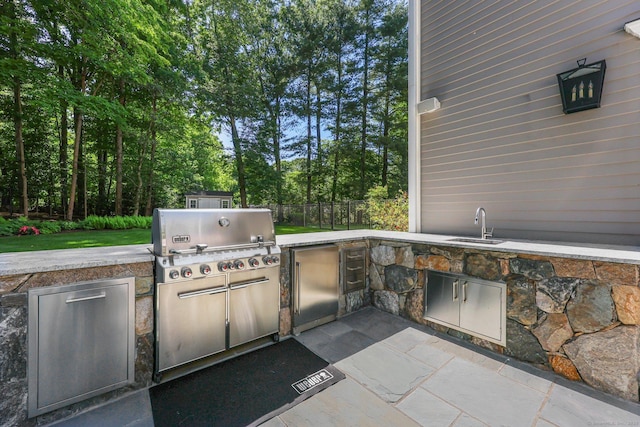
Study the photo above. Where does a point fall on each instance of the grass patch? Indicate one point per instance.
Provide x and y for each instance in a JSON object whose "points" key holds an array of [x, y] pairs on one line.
{"points": [[97, 238], [75, 239]]}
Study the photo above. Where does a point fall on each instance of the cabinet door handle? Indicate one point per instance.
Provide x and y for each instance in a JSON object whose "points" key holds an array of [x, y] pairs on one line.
{"points": [[245, 283], [464, 292], [297, 299], [99, 296], [201, 292], [454, 289], [354, 268]]}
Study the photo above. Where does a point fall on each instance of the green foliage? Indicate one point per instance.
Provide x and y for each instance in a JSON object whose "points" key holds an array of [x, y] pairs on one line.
{"points": [[94, 222], [171, 76], [388, 214], [12, 227], [23, 226]]}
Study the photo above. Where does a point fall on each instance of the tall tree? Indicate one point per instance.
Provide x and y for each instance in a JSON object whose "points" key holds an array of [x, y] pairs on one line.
{"points": [[390, 56], [14, 66]]}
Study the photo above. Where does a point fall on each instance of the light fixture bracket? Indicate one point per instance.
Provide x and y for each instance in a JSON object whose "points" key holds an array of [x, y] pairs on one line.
{"points": [[633, 28], [428, 105]]}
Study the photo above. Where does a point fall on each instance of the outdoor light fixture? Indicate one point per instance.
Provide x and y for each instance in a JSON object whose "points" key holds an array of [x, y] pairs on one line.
{"points": [[581, 88], [633, 28], [429, 105]]}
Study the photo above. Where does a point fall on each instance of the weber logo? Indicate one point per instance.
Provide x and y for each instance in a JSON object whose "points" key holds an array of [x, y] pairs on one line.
{"points": [[313, 380], [185, 238]]}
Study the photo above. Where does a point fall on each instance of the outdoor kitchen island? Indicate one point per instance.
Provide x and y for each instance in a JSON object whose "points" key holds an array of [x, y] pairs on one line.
{"points": [[572, 309]]}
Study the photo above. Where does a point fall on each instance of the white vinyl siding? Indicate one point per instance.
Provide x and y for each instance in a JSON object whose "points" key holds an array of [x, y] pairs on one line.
{"points": [[501, 140]]}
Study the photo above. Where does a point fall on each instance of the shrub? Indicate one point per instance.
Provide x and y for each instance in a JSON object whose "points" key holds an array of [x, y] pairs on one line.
{"points": [[388, 214], [68, 225], [94, 222]]}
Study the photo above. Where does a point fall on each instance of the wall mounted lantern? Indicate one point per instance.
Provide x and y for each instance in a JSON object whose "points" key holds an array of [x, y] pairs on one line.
{"points": [[581, 88], [428, 105]]}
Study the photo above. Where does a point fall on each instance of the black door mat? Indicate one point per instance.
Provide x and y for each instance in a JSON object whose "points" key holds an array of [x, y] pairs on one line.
{"points": [[244, 391]]}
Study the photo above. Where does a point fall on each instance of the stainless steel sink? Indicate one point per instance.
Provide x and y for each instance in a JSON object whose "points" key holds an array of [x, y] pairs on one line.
{"points": [[479, 241]]}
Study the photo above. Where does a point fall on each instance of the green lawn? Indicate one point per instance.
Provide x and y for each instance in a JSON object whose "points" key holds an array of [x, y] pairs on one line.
{"points": [[95, 238]]}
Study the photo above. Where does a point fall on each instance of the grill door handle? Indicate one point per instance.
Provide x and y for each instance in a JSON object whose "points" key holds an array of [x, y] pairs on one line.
{"points": [[245, 283], [208, 291]]}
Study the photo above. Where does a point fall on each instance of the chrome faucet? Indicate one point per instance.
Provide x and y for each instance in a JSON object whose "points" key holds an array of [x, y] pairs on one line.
{"points": [[485, 233]]}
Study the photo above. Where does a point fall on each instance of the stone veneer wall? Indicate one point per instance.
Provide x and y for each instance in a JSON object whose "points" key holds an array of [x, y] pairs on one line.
{"points": [[13, 337], [577, 317]]}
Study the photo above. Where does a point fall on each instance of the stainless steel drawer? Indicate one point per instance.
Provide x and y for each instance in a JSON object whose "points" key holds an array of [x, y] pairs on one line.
{"points": [[354, 269]]}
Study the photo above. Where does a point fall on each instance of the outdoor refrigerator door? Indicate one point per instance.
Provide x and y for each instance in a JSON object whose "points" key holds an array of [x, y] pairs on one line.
{"points": [[315, 283]]}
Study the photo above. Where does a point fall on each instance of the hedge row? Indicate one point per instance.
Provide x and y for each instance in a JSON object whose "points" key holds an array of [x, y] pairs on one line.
{"points": [[21, 225]]}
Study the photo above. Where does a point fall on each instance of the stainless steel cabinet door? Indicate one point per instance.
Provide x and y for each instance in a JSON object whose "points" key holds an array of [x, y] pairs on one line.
{"points": [[315, 283], [443, 301], [191, 320], [481, 308], [80, 341], [254, 305]]}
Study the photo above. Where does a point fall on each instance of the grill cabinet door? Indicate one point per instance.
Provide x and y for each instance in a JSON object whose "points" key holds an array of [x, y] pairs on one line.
{"points": [[254, 305], [191, 320], [443, 301]]}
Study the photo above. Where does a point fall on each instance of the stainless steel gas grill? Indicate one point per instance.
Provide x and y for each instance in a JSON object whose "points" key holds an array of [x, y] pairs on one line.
{"points": [[217, 282]]}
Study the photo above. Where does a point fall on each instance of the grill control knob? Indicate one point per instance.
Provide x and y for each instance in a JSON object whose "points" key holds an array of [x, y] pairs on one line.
{"points": [[231, 266], [239, 265], [222, 266], [186, 272], [173, 274], [205, 269], [253, 262], [270, 260]]}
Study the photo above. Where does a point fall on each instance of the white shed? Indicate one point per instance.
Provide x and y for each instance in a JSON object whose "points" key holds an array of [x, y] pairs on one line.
{"points": [[209, 199]]}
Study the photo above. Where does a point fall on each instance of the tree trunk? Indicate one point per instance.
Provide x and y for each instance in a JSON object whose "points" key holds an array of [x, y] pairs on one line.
{"points": [[77, 120], [139, 184], [338, 130], [119, 150], [276, 154], [17, 114], [386, 124], [82, 182], [237, 149], [309, 146], [149, 209], [64, 146], [102, 203], [22, 169], [319, 159], [365, 101], [80, 83]]}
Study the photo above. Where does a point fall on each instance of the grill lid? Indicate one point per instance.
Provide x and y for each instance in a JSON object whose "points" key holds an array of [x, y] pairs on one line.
{"points": [[184, 231]]}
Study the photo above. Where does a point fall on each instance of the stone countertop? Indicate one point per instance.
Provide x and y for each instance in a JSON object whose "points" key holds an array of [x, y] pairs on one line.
{"points": [[65, 259]]}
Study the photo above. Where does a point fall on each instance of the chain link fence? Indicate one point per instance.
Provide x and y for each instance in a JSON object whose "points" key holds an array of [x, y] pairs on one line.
{"points": [[347, 215]]}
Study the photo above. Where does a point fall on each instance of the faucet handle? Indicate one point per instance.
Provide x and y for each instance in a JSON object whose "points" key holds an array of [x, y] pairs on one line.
{"points": [[489, 233]]}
